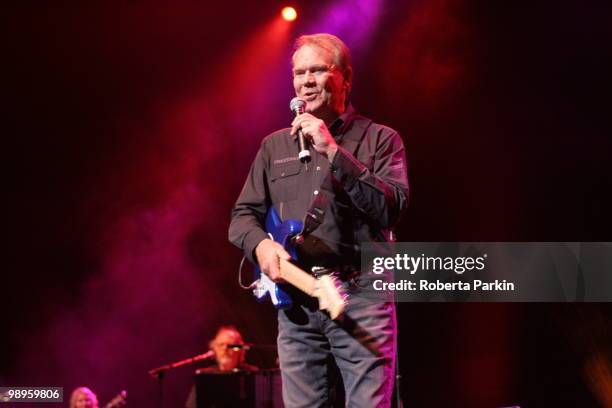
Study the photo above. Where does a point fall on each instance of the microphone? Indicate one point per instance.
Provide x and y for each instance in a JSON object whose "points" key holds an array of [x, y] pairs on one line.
{"points": [[298, 106]]}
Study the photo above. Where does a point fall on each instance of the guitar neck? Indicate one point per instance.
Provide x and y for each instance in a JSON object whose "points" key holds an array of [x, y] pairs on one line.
{"points": [[297, 277], [324, 288]]}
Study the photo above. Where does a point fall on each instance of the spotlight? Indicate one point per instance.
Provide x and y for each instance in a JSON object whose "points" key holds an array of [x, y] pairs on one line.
{"points": [[289, 14]]}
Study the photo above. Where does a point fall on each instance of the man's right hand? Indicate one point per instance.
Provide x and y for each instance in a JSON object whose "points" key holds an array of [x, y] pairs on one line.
{"points": [[268, 255]]}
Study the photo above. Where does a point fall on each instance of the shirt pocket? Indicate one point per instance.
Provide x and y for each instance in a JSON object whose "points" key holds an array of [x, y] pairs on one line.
{"points": [[284, 181]]}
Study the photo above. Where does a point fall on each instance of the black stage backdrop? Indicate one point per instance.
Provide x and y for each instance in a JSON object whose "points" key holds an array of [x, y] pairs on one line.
{"points": [[129, 129]]}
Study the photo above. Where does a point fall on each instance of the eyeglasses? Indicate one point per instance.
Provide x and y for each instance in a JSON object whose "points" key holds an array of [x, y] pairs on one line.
{"points": [[226, 346]]}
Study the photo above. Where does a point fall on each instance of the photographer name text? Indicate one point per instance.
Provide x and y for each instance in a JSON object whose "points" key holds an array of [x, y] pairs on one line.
{"points": [[425, 285]]}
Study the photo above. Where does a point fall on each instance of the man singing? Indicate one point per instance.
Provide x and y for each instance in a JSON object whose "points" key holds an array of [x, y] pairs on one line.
{"points": [[357, 176]]}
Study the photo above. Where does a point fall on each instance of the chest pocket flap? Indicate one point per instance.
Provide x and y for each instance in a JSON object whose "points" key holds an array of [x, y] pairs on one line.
{"points": [[284, 181], [284, 170]]}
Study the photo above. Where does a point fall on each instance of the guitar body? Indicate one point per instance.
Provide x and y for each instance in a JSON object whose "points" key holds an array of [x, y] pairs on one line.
{"points": [[326, 288], [281, 232]]}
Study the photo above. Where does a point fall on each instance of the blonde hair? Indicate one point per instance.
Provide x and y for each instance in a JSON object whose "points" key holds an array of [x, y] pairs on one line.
{"points": [[82, 390]]}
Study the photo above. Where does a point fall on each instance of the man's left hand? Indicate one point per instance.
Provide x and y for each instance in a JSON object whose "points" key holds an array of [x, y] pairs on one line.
{"points": [[315, 130]]}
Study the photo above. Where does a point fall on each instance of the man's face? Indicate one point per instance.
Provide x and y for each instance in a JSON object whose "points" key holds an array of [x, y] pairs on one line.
{"points": [[317, 81], [227, 358]]}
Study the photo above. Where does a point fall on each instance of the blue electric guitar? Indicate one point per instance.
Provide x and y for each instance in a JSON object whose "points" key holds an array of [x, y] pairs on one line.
{"points": [[325, 288]]}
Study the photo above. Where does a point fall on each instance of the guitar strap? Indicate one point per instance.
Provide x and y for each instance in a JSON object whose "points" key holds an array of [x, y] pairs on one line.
{"points": [[315, 215]]}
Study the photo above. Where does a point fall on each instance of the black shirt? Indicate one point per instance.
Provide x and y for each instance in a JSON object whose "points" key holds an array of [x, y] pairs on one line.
{"points": [[366, 187]]}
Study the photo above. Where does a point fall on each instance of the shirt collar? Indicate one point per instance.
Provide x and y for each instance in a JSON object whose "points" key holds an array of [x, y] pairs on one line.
{"points": [[341, 123], [339, 126]]}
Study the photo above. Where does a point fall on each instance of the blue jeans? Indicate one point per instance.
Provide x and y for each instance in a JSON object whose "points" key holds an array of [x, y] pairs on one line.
{"points": [[362, 344]]}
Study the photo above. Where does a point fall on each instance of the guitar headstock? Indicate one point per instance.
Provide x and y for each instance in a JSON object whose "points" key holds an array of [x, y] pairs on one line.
{"points": [[331, 295]]}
